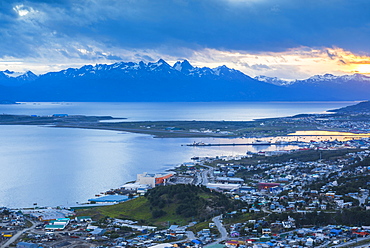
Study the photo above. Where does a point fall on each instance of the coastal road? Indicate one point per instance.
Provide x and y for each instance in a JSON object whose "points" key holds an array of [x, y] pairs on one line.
{"points": [[204, 176], [16, 236]]}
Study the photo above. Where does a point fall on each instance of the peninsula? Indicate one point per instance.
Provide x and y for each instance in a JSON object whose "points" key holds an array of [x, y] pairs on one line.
{"points": [[352, 119]]}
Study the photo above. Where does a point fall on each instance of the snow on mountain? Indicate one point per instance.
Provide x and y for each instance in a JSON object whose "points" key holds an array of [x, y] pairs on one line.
{"points": [[12, 73], [159, 81], [357, 76], [317, 79], [11, 78], [273, 80], [184, 66], [179, 68], [338, 79], [326, 77], [28, 76]]}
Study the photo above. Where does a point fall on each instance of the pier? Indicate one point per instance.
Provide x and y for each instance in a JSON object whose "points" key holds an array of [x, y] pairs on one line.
{"points": [[235, 144]]}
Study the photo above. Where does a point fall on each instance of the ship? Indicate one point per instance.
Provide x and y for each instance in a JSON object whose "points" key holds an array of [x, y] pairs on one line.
{"points": [[261, 142]]}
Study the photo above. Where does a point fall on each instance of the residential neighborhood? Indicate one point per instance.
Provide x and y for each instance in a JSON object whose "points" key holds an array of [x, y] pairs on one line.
{"points": [[286, 203]]}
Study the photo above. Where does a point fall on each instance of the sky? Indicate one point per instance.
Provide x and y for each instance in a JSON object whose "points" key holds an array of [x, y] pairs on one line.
{"points": [[289, 39]]}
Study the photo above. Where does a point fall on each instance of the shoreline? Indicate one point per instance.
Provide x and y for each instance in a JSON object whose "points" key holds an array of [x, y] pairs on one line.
{"points": [[93, 122], [303, 145]]}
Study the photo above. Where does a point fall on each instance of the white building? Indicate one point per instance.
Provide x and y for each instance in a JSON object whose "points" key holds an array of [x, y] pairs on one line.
{"points": [[153, 179]]}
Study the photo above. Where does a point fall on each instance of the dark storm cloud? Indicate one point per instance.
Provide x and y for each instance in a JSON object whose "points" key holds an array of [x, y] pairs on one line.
{"points": [[249, 25]]}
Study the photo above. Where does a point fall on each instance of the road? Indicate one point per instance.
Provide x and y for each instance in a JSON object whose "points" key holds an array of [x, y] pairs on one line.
{"points": [[353, 243], [190, 235], [221, 229], [202, 178], [16, 236], [363, 198]]}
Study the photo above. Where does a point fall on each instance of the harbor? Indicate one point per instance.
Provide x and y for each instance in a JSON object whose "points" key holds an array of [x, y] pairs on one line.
{"points": [[233, 144], [255, 143]]}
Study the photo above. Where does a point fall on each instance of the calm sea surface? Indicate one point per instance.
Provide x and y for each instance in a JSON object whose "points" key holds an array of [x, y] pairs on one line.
{"points": [[59, 166]]}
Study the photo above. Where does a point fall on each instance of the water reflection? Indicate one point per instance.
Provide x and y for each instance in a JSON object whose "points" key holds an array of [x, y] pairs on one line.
{"points": [[307, 136]]}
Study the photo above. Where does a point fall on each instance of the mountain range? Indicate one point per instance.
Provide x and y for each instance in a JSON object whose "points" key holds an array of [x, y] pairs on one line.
{"points": [[159, 81]]}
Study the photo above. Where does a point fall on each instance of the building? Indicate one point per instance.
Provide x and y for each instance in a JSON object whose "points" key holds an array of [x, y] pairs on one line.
{"points": [[26, 245], [58, 224], [153, 179], [229, 180], [223, 186], [110, 198], [138, 188], [80, 219], [267, 185]]}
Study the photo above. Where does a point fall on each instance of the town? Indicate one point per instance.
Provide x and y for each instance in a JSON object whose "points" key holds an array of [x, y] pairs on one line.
{"points": [[317, 196]]}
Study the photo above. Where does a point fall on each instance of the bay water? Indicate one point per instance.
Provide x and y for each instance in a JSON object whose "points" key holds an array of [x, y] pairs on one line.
{"points": [[60, 166]]}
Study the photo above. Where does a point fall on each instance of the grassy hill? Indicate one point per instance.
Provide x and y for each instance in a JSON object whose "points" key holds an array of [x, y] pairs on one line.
{"points": [[178, 204], [357, 108]]}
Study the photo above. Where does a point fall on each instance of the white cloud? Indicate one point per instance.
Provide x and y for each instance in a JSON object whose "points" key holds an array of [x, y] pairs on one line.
{"points": [[23, 11], [296, 63]]}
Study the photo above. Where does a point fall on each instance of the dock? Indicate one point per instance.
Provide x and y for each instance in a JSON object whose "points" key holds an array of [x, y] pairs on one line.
{"points": [[235, 144]]}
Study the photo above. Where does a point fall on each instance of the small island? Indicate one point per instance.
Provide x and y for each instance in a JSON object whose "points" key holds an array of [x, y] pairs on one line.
{"points": [[8, 102]]}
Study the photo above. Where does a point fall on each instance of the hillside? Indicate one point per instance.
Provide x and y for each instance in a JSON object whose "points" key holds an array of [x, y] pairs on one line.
{"points": [[362, 107], [175, 204]]}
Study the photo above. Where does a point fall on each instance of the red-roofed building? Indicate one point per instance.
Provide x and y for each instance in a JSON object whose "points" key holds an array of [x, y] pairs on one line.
{"points": [[267, 185]]}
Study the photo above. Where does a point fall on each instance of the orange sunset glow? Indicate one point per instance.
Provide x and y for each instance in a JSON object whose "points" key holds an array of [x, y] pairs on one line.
{"points": [[363, 68]]}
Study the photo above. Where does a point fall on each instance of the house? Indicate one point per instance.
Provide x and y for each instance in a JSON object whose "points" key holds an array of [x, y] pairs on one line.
{"points": [[267, 185], [246, 190], [80, 219], [309, 242], [234, 243], [335, 232], [175, 229]]}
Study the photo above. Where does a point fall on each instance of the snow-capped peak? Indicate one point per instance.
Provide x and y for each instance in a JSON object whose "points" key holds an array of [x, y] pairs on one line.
{"points": [[326, 77], [357, 76], [28, 76], [12, 73], [159, 64], [331, 78], [177, 66], [218, 70], [183, 66], [273, 80]]}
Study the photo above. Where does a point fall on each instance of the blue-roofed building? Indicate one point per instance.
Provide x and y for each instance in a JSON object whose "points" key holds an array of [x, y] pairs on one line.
{"points": [[26, 245], [98, 231], [335, 232], [110, 198]]}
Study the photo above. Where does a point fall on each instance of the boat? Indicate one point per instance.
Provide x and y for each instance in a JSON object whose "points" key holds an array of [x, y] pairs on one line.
{"points": [[261, 142], [198, 144]]}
